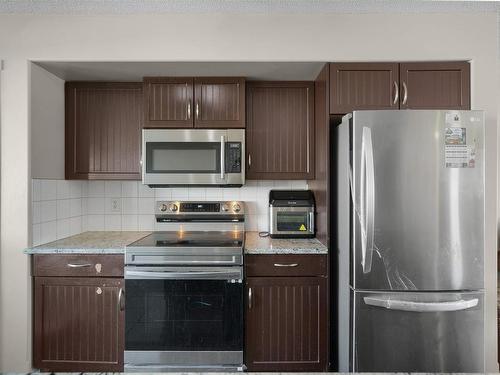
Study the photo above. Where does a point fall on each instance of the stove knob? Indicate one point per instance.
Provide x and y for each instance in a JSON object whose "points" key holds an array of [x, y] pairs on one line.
{"points": [[173, 207], [236, 207], [163, 207], [225, 207]]}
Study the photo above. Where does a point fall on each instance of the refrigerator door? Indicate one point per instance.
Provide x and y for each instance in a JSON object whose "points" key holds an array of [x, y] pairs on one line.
{"points": [[417, 332], [418, 188]]}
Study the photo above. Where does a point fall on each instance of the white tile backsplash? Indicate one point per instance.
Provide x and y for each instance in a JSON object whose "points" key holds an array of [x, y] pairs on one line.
{"points": [[64, 208], [112, 189]]}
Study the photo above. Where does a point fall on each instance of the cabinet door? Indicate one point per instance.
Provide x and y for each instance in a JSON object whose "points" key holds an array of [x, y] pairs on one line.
{"points": [[435, 85], [168, 102], [103, 130], [219, 102], [286, 326], [280, 130], [78, 324], [355, 86]]}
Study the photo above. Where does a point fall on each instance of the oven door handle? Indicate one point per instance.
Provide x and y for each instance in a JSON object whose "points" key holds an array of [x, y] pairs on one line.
{"points": [[189, 275]]}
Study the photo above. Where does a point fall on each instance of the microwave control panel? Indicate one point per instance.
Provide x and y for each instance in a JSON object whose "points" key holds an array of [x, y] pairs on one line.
{"points": [[233, 157]]}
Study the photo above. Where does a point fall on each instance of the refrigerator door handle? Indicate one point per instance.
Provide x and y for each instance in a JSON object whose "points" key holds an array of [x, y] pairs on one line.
{"points": [[367, 200], [392, 304]]}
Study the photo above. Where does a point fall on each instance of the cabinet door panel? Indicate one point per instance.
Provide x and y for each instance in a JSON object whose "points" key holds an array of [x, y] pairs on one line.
{"points": [[168, 102], [280, 130], [435, 85], [356, 86], [219, 102], [78, 324], [286, 324], [103, 130]]}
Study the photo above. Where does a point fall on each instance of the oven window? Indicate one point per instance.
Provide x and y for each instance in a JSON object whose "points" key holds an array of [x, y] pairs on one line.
{"points": [[182, 157], [183, 315], [292, 221]]}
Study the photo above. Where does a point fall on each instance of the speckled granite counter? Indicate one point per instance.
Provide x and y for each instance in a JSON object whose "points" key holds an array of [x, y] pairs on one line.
{"points": [[266, 245], [89, 243]]}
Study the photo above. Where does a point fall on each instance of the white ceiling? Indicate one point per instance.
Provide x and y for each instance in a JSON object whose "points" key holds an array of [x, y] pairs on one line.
{"points": [[134, 71], [241, 6]]}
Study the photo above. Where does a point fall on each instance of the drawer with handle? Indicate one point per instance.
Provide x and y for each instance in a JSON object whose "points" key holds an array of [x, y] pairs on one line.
{"points": [[286, 265], [78, 265]]}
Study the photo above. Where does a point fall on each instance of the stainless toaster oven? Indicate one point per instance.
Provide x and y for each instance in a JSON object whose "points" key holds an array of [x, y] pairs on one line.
{"points": [[291, 214]]}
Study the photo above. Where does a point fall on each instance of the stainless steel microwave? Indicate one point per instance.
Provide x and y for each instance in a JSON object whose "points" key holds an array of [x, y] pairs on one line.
{"points": [[193, 157]]}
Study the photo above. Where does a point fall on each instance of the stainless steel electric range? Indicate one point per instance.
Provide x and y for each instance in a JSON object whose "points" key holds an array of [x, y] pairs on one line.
{"points": [[184, 290]]}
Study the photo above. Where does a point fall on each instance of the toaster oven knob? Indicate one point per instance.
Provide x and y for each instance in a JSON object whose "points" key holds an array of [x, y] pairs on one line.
{"points": [[163, 207], [225, 207], [173, 207], [236, 207]]}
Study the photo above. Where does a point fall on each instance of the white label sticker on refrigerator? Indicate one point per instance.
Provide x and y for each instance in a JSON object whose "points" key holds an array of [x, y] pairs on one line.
{"points": [[459, 156]]}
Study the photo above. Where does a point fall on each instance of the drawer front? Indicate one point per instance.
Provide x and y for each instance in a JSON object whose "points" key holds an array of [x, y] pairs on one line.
{"points": [[78, 265], [286, 265]]}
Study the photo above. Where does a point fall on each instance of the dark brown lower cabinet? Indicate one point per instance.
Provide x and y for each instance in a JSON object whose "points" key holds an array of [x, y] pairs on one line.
{"points": [[78, 324], [286, 324]]}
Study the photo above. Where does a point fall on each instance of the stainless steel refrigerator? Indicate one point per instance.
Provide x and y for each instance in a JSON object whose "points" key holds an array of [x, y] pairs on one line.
{"points": [[410, 241]]}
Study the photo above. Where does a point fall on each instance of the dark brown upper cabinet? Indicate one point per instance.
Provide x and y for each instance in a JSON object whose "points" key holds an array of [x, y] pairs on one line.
{"points": [[168, 102], [219, 102], [357, 86], [415, 85], [280, 130], [103, 130], [204, 102], [435, 85]]}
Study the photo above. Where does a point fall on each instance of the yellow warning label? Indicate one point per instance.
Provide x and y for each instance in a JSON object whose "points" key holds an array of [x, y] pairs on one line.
{"points": [[302, 227]]}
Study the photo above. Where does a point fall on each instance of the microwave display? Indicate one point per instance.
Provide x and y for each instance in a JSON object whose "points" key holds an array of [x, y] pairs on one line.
{"points": [[292, 221]]}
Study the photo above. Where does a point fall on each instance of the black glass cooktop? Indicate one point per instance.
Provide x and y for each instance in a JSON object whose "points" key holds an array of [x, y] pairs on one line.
{"points": [[191, 239]]}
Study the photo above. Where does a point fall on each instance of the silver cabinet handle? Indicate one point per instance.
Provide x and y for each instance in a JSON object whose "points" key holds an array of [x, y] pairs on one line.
{"points": [[189, 110], [249, 160], [249, 298], [405, 93], [396, 93], [285, 265], [197, 110], [222, 156], [121, 304], [79, 265]]}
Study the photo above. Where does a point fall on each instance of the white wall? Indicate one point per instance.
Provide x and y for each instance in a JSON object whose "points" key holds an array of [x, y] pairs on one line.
{"points": [[229, 37], [47, 124]]}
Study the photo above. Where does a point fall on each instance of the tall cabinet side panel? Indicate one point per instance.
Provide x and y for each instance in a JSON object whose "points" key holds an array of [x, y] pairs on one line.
{"points": [[342, 241]]}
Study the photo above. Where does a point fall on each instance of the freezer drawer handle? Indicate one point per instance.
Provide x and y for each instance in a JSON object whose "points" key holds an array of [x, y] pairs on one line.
{"points": [[392, 304]]}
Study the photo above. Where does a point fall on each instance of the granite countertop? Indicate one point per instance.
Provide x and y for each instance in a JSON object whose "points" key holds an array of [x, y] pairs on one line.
{"points": [[107, 242], [90, 243], [266, 245]]}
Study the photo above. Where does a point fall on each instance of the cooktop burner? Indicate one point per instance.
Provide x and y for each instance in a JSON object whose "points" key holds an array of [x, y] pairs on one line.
{"points": [[191, 239]]}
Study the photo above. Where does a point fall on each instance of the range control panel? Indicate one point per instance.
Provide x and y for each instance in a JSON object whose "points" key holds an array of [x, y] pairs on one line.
{"points": [[186, 208]]}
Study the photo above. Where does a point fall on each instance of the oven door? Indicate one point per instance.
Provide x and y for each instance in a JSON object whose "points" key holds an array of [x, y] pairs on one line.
{"points": [[291, 221], [184, 318], [201, 157]]}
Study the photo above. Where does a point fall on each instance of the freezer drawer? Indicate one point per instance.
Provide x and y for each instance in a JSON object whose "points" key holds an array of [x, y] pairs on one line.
{"points": [[417, 332]]}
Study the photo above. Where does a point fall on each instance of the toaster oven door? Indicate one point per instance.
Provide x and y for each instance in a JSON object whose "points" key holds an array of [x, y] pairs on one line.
{"points": [[292, 221]]}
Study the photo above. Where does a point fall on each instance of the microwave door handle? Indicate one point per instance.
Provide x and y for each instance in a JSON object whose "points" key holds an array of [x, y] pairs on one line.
{"points": [[311, 221], [222, 156]]}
